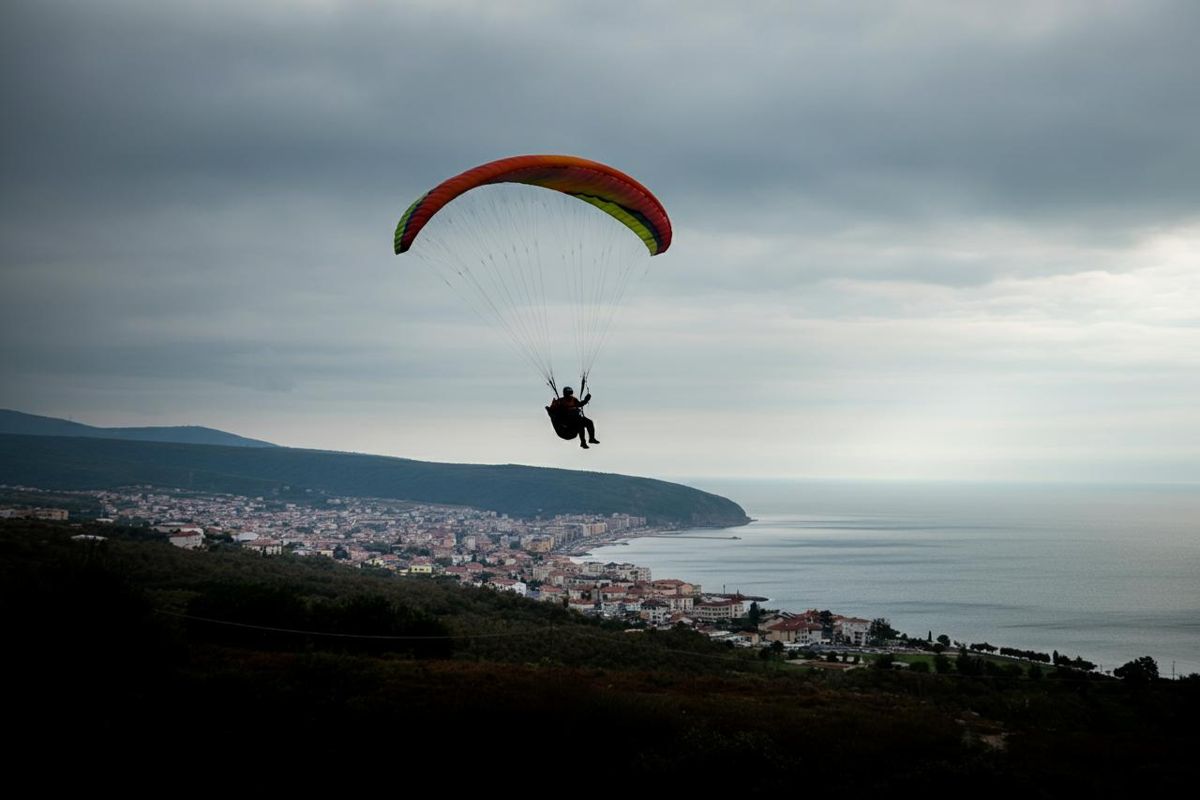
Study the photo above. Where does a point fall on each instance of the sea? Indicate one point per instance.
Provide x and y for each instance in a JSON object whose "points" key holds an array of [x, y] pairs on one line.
{"points": [[1109, 573]]}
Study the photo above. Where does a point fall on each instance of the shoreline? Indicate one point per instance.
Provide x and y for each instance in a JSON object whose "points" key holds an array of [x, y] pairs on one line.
{"points": [[1104, 665], [580, 550]]}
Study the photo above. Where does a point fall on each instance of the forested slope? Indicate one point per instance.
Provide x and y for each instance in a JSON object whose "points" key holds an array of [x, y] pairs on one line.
{"points": [[79, 463]]}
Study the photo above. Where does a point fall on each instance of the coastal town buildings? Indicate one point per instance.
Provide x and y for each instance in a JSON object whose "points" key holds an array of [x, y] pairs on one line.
{"points": [[794, 630], [541, 558]]}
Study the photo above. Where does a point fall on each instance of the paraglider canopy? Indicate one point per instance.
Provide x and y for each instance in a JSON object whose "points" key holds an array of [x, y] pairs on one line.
{"points": [[542, 266], [608, 189]]}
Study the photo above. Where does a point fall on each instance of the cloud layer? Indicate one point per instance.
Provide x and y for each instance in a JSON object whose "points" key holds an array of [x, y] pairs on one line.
{"points": [[929, 240]]}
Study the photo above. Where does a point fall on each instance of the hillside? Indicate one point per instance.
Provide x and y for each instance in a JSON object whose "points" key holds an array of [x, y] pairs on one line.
{"points": [[20, 423], [127, 649], [77, 463]]}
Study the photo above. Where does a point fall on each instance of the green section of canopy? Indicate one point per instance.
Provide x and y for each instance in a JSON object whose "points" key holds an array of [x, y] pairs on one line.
{"points": [[622, 215]]}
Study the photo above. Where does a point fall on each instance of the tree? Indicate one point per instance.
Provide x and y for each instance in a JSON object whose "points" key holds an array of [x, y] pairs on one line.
{"points": [[942, 665], [967, 665], [944, 640], [885, 661], [755, 614], [773, 651], [880, 631], [1140, 670]]}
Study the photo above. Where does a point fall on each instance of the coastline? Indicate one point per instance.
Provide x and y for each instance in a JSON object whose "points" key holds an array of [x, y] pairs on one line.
{"points": [[582, 550], [859, 566]]}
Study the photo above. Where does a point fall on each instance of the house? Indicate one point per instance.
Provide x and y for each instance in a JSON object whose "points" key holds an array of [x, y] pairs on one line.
{"points": [[550, 594], [580, 593], [852, 629], [713, 610], [189, 538], [794, 630], [612, 608], [655, 611], [632, 605], [459, 572], [614, 593], [264, 547], [582, 605], [679, 603], [509, 585], [632, 572], [670, 587]]}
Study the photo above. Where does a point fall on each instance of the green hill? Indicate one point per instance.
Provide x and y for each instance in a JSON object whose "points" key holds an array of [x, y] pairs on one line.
{"points": [[17, 422], [76, 463]]}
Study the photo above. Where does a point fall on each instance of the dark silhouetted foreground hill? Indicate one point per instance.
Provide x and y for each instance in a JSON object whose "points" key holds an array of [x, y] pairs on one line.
{"points": [[17, 422], [70, 463], [122, 653]]}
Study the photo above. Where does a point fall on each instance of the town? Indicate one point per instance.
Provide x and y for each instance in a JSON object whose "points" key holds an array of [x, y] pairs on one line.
{"points": [[542, 559]]}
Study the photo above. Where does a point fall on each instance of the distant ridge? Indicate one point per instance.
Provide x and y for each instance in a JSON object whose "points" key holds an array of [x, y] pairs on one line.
{"points": [[65, 463], [18, 422]]}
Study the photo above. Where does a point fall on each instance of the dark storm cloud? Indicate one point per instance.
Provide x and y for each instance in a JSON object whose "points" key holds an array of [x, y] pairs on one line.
{"points": [[807, 113], [203, 194]]}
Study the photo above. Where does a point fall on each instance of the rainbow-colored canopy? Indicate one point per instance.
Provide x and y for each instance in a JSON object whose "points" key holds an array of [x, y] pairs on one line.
{"points": [[610, 190]]}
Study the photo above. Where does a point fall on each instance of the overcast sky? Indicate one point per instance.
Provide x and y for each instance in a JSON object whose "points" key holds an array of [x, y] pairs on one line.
{"points": [[912, 240]]}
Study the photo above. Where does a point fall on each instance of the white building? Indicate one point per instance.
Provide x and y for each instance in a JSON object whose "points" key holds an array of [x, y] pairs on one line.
{"points": [[189, 539], [655, 611], [718, 609], [509, 585], [853, 630], [264, 547]]}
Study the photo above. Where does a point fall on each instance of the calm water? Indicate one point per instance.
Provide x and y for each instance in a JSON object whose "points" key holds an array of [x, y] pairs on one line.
{"points": [[1108, 573]]}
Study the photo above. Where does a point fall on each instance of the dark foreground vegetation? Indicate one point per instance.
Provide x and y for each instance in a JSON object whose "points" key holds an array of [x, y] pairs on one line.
{"points": [[129, 659]]}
